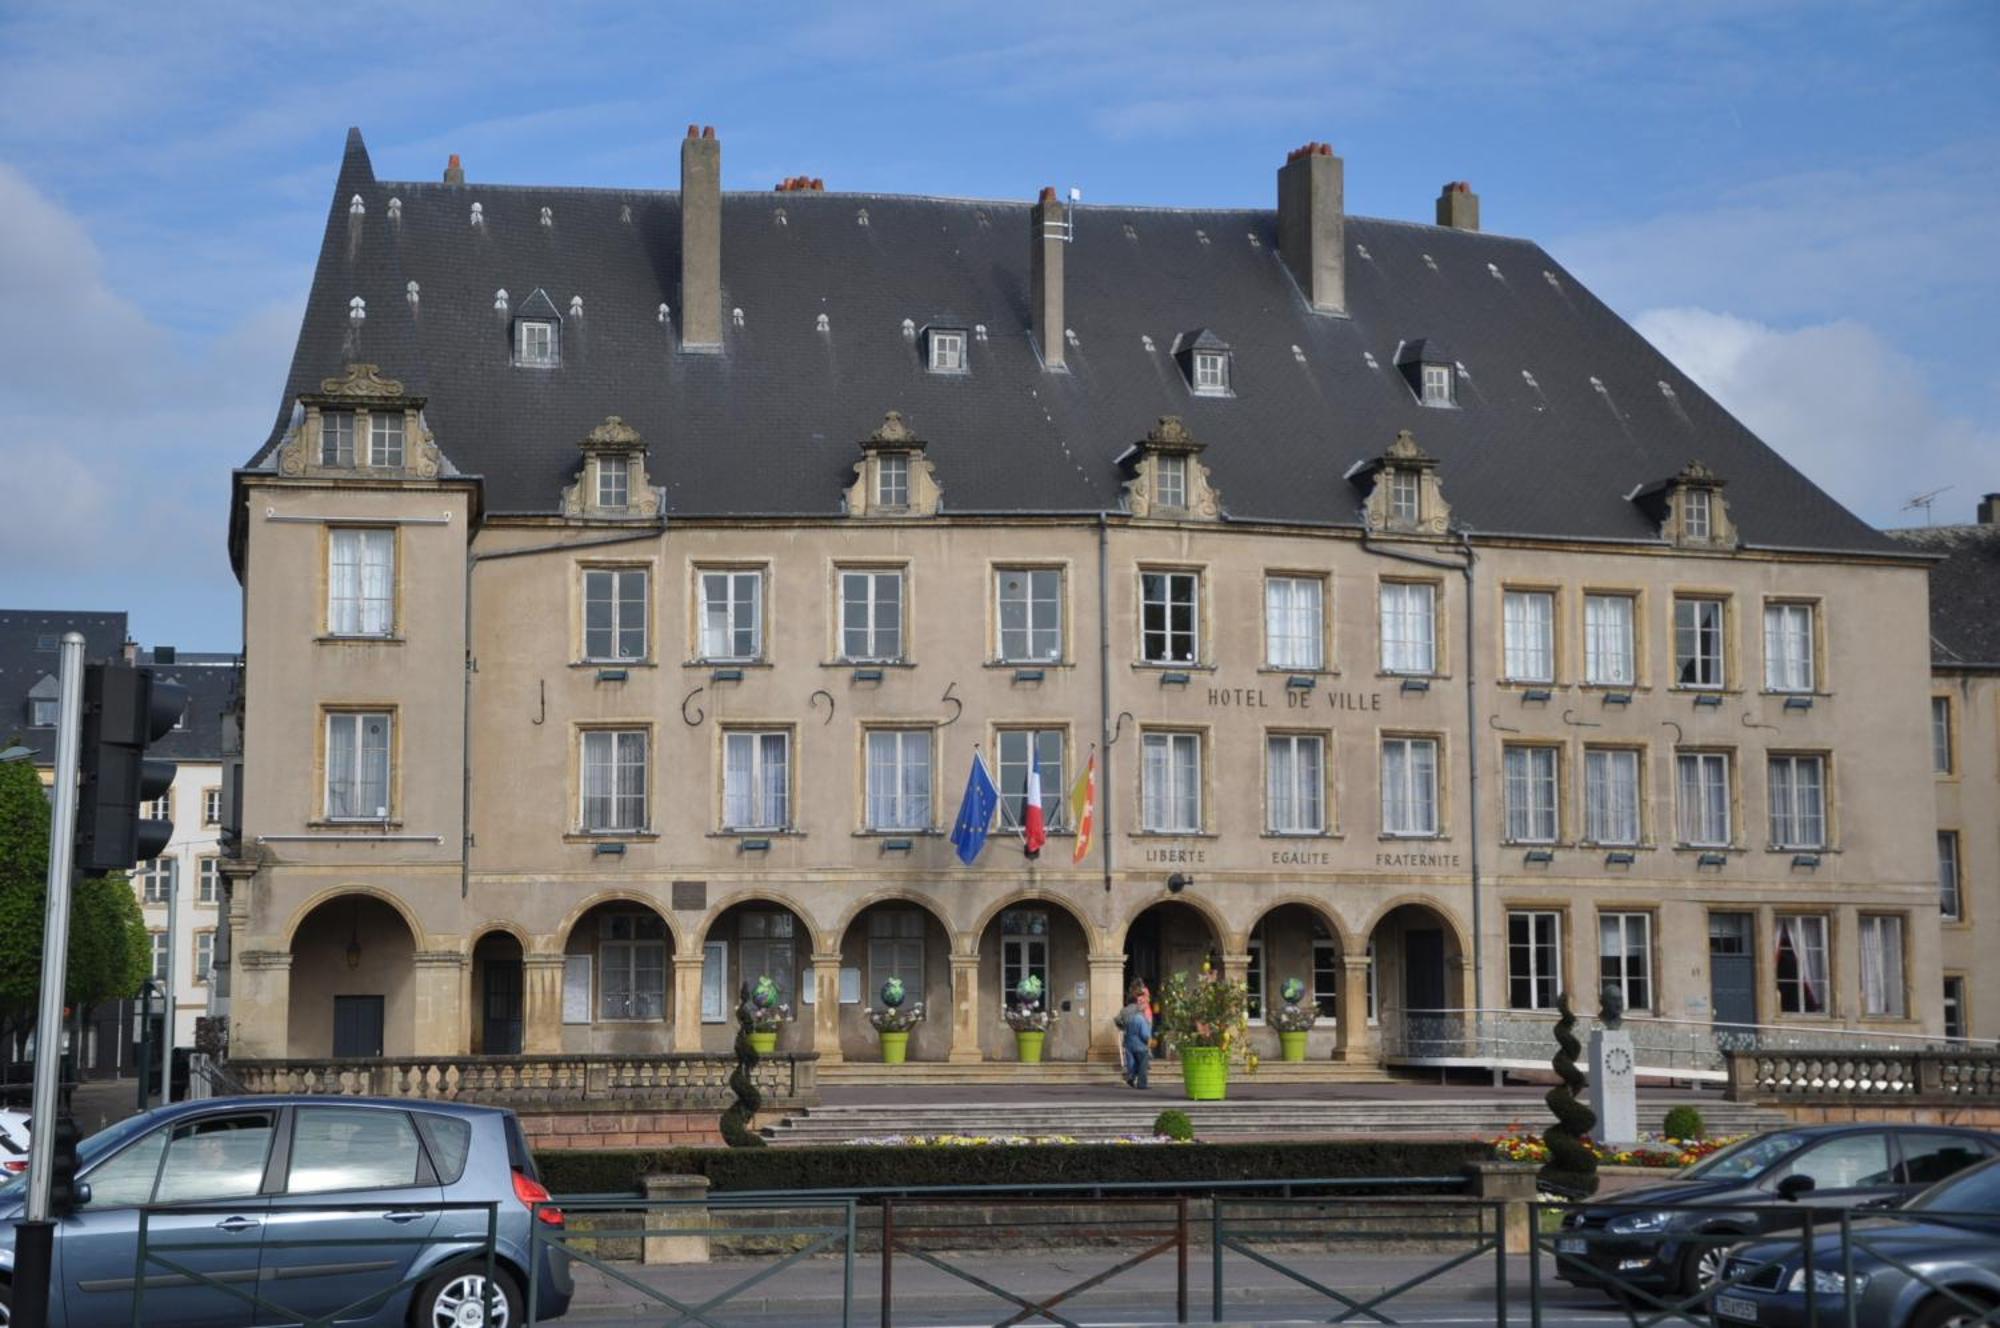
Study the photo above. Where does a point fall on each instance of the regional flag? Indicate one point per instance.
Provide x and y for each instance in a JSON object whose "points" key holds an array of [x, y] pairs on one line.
{"points": [[1083, 806], [975, 812], [1034, 829]]}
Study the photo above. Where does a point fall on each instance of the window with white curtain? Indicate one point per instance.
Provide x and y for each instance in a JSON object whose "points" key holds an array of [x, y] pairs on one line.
{"points": [[899, 779], [1295, 783], [756, 787], [1171, 783], [1030, 614], [1625, 956], [1801, 963], [1698, 643], [871, 615], [614, 613], [357, 766], [1788, 647], [1611, 795], [361, 582], [1528, 630], [896, 950], [1950, 906], [614, 780], [631, 966], [1608, 649], [1534, 959], [1531, 795], [208, 879], [1409, 627], [732, 617], [1702, 798], [1018, 750], [1170, 604], [1882, 966], [1409, 787], [1798, 802], [1293, 622]]}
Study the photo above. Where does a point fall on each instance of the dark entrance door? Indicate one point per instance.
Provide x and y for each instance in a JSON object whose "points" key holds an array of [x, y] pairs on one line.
{"points": [[357, 1025], [1142, 954], [1732, 970], [1423, 968], [502, 1033]]}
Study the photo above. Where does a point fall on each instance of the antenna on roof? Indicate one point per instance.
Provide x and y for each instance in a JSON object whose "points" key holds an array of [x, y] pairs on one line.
{"points": [[1925, 501]]}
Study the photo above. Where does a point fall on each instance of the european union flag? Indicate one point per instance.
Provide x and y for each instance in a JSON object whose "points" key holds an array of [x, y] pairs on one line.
{"points": [[975, 812]]}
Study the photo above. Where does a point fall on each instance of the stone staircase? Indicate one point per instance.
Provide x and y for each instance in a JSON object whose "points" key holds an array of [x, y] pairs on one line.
{"points": [[915, 1076], [1455, 1117]]}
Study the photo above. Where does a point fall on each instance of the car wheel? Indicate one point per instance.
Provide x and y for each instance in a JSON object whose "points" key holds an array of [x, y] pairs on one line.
{"points": [[1701, 1266], [1944, 1312], [457, 1298], [6, 1305]]}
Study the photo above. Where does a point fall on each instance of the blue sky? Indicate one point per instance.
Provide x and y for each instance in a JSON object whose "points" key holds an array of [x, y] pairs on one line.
{"points": [[1796, 201]]}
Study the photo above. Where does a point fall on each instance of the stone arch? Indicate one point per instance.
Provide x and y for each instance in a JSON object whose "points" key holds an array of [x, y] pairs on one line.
{"points": [[784, 955], [889, 895], [353, 979], [616, 896], [1092, 933], [1225, 935], [1419, 900], [759, 894], [495, 990], [520, 934], [1319, 907], [921, 955], [418, 934]]}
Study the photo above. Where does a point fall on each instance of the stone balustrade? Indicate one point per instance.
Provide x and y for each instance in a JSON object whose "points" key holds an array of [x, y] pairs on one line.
{"points": [[1942, 1077], [691, 1081]]}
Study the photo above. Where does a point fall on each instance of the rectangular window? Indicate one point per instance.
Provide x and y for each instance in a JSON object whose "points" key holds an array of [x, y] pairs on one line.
{"points": [[767, 948], [1611, 795], [157, 876], [1295, 783], [756, 781], [1954, 1009], [1801, 964], [1698, 643], [714, 982], [732, 615], [1211, 371], [896, 950], [1788, 647], [1703, 798], [632, 966], [535, 342], [1531, 795], [1438, 385], [899, 779], [336, 438], [1017, 748], [1798, 802], [614, 482], [1409, 786], [204, 955], [1608, 649], [1254, 979], [892, 481], [159, 939], [1409, 627], [1171, 608], [1024, 951], [1882, 966], [361, 582], [1941, 752], [1698, 511], [1170, 482], [211, 805], [1406, 496], [871, 615], [1951, 904], [1528, 622], [1534, 959], [614, 613], [357, 766], [1326, 976], [1030, 602], [947, 351], [385, 439], [614, 780], [1294, 634], [1625, 956], [1172, 783], [42, 713], [208, 880]]}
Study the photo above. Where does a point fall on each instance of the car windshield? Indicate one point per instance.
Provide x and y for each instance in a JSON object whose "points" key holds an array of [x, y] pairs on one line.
{"points": [[1975, 1191], [1746, 1159], [90, 1150]]}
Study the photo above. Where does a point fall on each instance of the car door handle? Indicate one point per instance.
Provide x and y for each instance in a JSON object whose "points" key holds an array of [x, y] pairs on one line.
{"points": [[234, 1224], [404, 1215]]}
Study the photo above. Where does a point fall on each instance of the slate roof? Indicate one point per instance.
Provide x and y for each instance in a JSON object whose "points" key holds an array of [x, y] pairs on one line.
{"points": [[1965, 593], [211, 679], [29, 640], [771, 425]]}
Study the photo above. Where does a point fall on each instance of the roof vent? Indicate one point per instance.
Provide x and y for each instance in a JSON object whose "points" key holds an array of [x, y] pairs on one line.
{"points": [[1069, 335], [1597, 384], [1430, 262], [479, 214], [822, 324], [357, 309], [861, 217], [410, 292], [500, 299], [663, 314], [1130, 234], [779, 216], [395, 209], [1146, 341], [1368, 356], [1529, 379], [1362, 250], [909, 330], [548, 216], [1201, 235], [979, 331], [576, 306], [1666, 389], [1255, 243], [736, 316], [1495, 271], [1298, 354], [1550, 277], [356, 208], [625, 213]]}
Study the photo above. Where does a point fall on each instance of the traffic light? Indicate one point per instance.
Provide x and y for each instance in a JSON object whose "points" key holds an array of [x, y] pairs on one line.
{"points": [[62, 1168], [124, 710]]}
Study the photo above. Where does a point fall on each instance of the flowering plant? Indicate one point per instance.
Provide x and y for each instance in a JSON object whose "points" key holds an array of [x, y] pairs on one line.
{"points": [[895, 1016], [1291, 1017], [766, 1011], [1659, 1151], [1206, 1010], [999, 1140], [1029, 1013]]}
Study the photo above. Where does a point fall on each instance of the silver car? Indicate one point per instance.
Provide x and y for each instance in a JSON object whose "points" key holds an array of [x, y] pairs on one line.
{"points": [[295, 1199]]}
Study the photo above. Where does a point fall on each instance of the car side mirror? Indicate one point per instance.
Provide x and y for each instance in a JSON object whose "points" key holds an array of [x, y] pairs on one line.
{"points": [[1791, 1187], [83, 1194]]}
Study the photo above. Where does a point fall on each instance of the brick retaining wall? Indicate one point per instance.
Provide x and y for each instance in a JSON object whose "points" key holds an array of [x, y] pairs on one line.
{"points": [[622, 1129]]}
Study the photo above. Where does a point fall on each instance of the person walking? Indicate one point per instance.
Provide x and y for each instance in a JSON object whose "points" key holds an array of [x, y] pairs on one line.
{"points": [[1136, 1019]]}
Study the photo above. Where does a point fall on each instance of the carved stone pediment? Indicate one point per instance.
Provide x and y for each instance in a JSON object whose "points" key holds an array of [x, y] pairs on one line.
{"points": [[358, 398], [1169, 444], [1389, 476], [895, 449], [361, 380], [614, 443]]}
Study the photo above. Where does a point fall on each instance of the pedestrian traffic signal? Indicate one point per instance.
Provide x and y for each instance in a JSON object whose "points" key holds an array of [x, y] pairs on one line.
{"points": [[124, 711], [63, 1197]]}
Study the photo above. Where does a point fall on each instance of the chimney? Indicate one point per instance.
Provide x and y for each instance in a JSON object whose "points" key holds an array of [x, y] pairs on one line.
{"points": [[1047, 225], [1312, 226], [453, 172], [1989, 510], [701, 240], [1458, 207]]}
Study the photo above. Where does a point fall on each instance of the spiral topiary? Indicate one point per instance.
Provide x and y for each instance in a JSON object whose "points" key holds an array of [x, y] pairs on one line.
{"points": [[738, 1122], [1572, 1166]]}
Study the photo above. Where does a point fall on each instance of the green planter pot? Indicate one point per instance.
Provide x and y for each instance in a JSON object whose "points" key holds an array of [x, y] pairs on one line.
{"points": [[1293, 1045], [1029, 1046], [765, 1042], [1205, 1072], [895, 1048]]}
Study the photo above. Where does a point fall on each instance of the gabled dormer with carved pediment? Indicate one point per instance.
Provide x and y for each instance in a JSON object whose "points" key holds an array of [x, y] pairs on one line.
{"points": [[1401, 492], [613, 484], [360, 426], [1164, 476], [1690, 509], [893, 478]]}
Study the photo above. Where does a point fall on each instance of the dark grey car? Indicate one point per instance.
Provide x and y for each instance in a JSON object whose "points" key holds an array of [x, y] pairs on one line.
{"points": [[248, 1178]]}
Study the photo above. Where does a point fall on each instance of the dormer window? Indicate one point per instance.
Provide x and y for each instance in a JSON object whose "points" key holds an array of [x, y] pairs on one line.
{"points": [[534, 342], [1406, 502], [385, 439], [1211, 372], [1698, 514], [336, 438], [892, 480], [42, 713], [947, 350], [1439, 388], [1690, 508], [1401, 491], [1430, 370], [614, 483], [1204, 360], [1170, 482]]}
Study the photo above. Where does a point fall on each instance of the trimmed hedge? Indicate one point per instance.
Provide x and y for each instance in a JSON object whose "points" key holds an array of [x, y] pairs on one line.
{"points": [[576, 1171]]}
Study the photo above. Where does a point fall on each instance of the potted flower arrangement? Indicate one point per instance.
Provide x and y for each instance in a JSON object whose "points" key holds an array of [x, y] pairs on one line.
{"points": [[1029, 1016], [1204, 1020], [766, 1013], [1293, 1020], [894, 1021]]}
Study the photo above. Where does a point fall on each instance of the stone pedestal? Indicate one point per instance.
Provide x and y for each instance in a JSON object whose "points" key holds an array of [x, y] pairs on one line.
{"points": [[1107, 998], [964, 1010], [825, 979], [541, 1031], [1614, 1090], [1510, 1186], [690, 1214], [686, 1015]]}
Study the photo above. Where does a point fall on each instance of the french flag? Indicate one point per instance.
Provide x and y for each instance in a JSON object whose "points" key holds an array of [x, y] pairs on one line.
{"points": [[1034, 830]]}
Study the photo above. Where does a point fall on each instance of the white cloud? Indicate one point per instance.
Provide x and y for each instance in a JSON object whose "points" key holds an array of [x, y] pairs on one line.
{"points": [[1838, 402]]}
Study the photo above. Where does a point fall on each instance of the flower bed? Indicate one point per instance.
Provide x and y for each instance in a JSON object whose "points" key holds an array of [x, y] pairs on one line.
{"points": [[1000, 1140], [1657, 1151]]}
